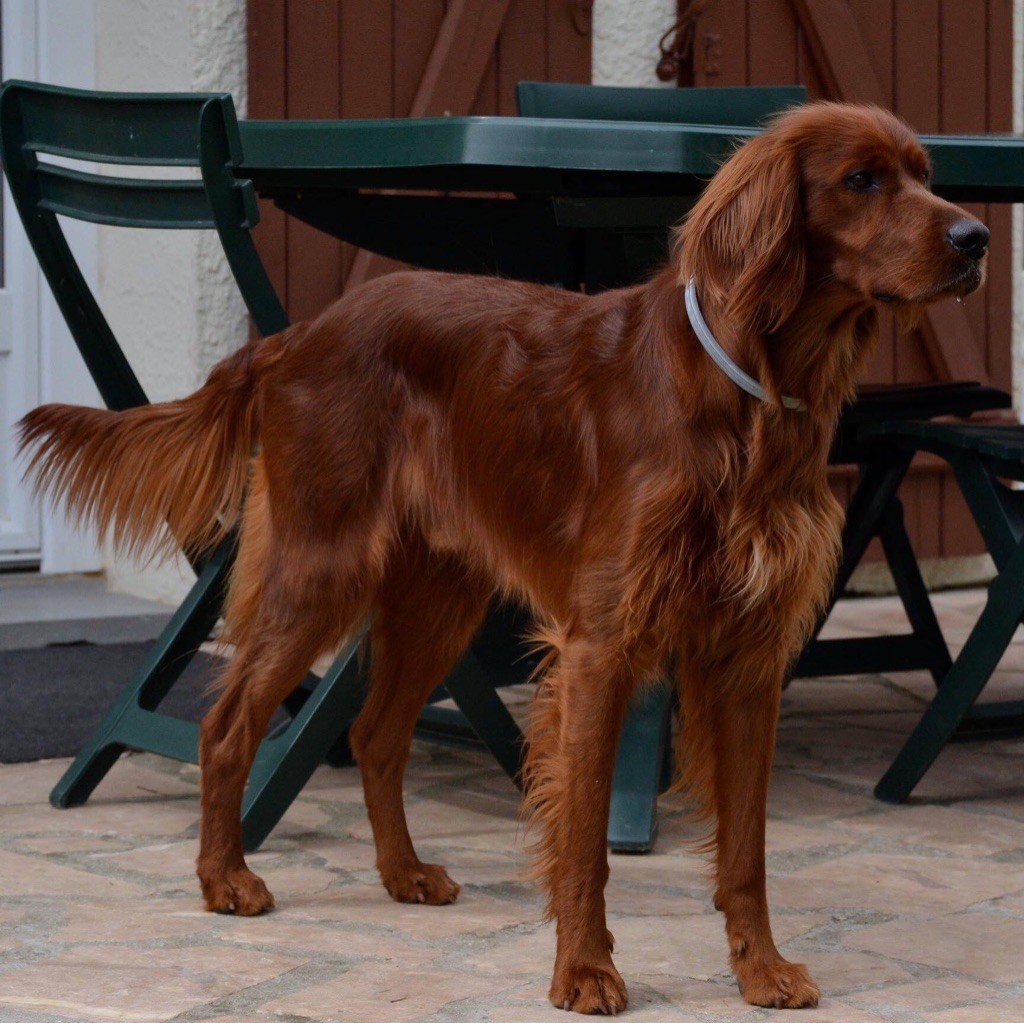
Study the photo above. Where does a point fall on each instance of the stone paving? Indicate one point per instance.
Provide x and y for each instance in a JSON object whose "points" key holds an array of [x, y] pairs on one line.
{"points": [[911, 914]]}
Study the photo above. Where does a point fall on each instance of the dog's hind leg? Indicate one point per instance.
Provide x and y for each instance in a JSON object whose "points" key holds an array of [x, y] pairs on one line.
{"points": [[730, 716], [289, 603], [429, 608], [263, 671]]}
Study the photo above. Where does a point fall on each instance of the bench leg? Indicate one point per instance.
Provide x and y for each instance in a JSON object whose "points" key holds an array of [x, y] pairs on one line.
{"points": [[962, 685], [875, 492], [910, 585], [633, 825], [874, 509]]}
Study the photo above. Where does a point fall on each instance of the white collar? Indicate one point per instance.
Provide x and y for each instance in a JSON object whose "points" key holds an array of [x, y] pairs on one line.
{"points": [[721, 356]]}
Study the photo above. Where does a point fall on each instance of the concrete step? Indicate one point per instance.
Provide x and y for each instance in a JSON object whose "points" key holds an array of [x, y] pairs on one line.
{"points": [[39, 610]]}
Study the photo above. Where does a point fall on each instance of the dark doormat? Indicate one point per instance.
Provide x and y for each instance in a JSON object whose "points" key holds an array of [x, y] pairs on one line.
{"points": [[52, 698]]}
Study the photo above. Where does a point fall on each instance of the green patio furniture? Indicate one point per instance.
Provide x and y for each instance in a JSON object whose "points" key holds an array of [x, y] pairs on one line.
{"points": [[982, 457], [571, 164], [559, 178], [743, 106], [38, 123]]}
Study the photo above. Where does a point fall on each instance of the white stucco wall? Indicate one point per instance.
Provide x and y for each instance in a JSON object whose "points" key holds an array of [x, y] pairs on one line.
{"points": [[1018, 216], [169, 295], [625, 43]]}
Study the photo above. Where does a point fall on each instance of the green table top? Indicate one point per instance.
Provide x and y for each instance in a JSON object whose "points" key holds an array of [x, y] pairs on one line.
{"points": [[556, 157]]}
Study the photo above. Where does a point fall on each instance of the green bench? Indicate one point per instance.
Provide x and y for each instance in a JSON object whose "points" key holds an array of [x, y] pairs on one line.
{"points": [[981, 456]]}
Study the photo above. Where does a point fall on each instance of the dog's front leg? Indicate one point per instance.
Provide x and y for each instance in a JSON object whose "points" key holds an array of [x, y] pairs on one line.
{"points": [[569, 775], [742, 712]]}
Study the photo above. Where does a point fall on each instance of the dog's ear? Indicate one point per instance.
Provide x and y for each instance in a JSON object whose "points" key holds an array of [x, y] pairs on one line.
{"points": [[744, 240]]}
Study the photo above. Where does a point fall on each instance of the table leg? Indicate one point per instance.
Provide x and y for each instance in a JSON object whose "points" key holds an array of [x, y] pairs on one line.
{"points": [[477, 698], [874, 509], [633, 825], [930, 642]]}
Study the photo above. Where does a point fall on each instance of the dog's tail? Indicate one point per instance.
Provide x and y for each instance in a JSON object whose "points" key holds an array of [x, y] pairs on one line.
{"points": [[183, 464]]}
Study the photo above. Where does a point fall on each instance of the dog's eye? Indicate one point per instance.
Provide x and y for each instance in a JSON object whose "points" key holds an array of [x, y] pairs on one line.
{"points": [[862, 181]]}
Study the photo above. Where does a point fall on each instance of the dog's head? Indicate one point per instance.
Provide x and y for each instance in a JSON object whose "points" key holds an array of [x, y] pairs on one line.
{"points": [[831, 196]]}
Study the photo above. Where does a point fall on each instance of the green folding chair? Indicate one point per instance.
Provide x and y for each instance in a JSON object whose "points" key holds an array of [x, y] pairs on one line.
{"points": [[739, 106], [39, 123]]}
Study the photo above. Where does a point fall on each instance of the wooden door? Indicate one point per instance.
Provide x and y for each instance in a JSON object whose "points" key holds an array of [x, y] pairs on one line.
{"points": [[392, 58], [944, 66]]}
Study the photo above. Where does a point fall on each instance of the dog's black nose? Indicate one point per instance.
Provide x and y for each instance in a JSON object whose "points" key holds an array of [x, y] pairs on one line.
{"points": [[969, 237]]}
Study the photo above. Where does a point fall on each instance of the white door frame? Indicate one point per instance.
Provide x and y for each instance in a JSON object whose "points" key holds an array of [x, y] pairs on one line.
{"points": [[21, 525], [50, 41]]}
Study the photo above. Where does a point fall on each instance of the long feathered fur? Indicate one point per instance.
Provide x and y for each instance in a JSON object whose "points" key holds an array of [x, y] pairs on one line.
{"points": [[160, 477], [543, 777]]}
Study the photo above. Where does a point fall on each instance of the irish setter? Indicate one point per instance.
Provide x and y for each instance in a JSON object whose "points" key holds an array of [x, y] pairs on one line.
{"points": [[432, 439]]}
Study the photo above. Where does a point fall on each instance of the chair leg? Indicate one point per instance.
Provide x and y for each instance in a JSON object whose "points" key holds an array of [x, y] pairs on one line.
{"points": [[633, 824], [962, 685], [130, 717], [910, 585], [473, 691], [285, 762]]}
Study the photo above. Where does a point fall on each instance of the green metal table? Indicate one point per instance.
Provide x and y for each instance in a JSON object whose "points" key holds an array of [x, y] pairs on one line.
{"points": [[568, 187], [558, 158], [566, 177]]}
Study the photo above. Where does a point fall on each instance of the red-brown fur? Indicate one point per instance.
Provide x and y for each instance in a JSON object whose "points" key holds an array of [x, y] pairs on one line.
{"points": [[431, 439]]}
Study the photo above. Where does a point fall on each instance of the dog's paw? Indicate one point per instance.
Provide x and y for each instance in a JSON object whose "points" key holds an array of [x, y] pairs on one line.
{"points": [[237, 891], [589, 989], [425, 883], [778, 985]]}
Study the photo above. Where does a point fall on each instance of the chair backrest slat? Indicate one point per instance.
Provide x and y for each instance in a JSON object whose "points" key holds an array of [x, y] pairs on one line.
{"points": [[738, 106], [123, 202], [41, 124], [113, 127]]}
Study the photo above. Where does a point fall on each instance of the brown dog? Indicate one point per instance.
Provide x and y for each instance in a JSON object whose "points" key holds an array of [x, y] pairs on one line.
{"points": [[431, 439]]}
